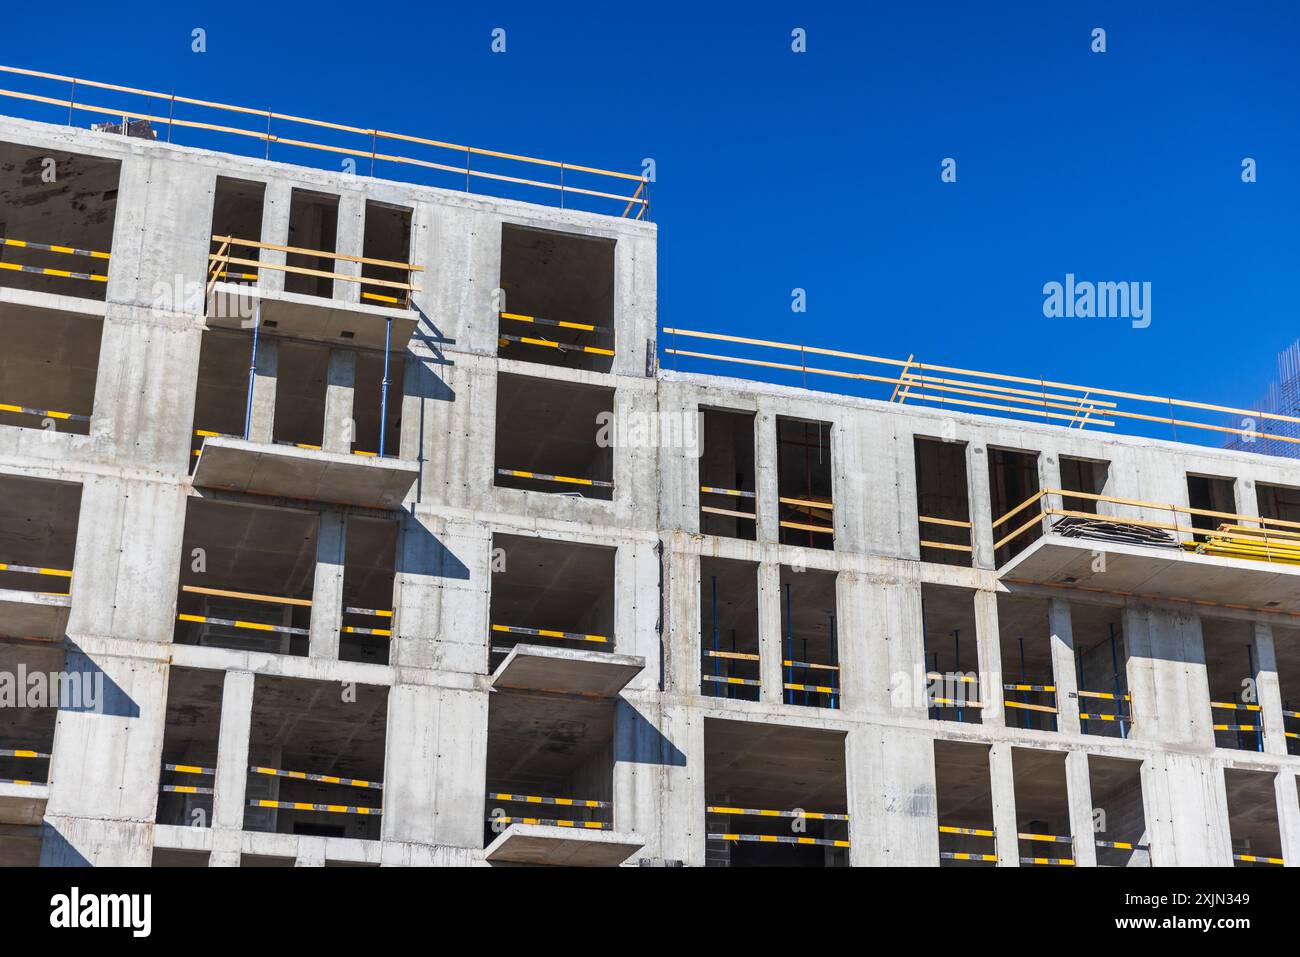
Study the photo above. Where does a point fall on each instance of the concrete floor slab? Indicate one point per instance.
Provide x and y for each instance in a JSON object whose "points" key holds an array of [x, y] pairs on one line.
{"points": [[1157, 572], [29, 614], [545, 844], [23, 804], [312, 317], [255, 468], [592, 674]]}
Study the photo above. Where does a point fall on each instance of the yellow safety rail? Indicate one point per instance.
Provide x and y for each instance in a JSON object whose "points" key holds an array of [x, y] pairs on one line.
{"points": [[48, 248], [219, 264], [368, 140], [26, 754], [967, 855], [240, 623], [1238, 536], [946, 523], [1077, 406]]}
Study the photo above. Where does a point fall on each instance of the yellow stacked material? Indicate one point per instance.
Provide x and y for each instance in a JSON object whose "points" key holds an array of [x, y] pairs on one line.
{"points": [[1249, 543]]}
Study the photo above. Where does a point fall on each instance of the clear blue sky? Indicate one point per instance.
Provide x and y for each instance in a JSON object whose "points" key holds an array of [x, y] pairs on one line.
{"points": [[821, 170]]}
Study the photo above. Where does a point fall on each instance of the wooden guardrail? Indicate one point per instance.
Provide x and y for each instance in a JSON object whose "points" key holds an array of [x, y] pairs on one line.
{"points": [[368, 140]]}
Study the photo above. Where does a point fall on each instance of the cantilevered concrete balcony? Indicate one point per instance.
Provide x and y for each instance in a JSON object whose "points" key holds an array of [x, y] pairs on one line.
{"points": [[1153, 550], [236, 465], [547, 844], [593, 674], [378, 314]]}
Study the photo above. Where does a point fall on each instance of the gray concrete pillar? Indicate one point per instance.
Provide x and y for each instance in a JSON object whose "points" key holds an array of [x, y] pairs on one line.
{"points": [[1268, 690], [1063, 668], [1006, 826], [261, 419], [771, 633], [989, 661], [327, 589], [340, 397], [893, 818], [1078, 786], [231, 782], [1288, 816], [981, 508], [350, 242], [765, 468], [275, 230]]}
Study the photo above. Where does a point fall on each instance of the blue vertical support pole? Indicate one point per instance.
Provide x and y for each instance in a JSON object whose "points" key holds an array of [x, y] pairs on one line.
{"points": [[1078, 683], [383, 391], [252, 370]]}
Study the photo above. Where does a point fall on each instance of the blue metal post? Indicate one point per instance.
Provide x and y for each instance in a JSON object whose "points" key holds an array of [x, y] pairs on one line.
{"points": [[252, 369], [1114, 666], [383, 397]]}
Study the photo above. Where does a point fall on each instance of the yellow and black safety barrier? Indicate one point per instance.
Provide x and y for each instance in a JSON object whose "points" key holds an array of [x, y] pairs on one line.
{"points": [[1103, 695], [22, 781], [368, 613], [809, 664], [1013, 687], [821, 689], [550, 822], [1048, 861], [1046, 838], [778, 839], [1123, 845], [49, 248], [185, 789], [967, 856], [728, 680], [731, 655], [391, 300], [36, 570], [556, 323], [1229, 706], [44, 413], [1256, 859], [733, 492], [954, 703], [1089, 716], [240, 623], [328, 808], [763, 812], [1027, 706], [1236, 727], [23, 753], [968, 831], [510, 797], [318, 778], [547, 633], [562, 479], [190, 769], [547, 343]]}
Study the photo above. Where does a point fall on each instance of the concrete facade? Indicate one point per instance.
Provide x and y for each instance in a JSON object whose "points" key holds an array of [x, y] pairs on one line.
{"points": [[100, 805]]}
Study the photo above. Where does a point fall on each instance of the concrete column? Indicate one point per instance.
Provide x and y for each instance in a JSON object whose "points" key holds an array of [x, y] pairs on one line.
{"points": [[1167, 679], [771, 633], [765, 478], [349, 241], [1006, 826], [682, 618], [275, 230], [261, 421], [1078, 786], [981, 508], [893, 819], [1063, 669], [1288, 816], [989, 651], [340, 397], [311, 852], [881, 650], [327, 589], [1268, 690], [106, 763], [681, 828], [228, 797], [1049, 474], [435, 766], [1187, 811], [441, 594]]}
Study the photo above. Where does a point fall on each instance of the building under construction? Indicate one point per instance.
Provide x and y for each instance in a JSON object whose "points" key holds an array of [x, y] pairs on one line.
{"points": [[353, 519]]}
